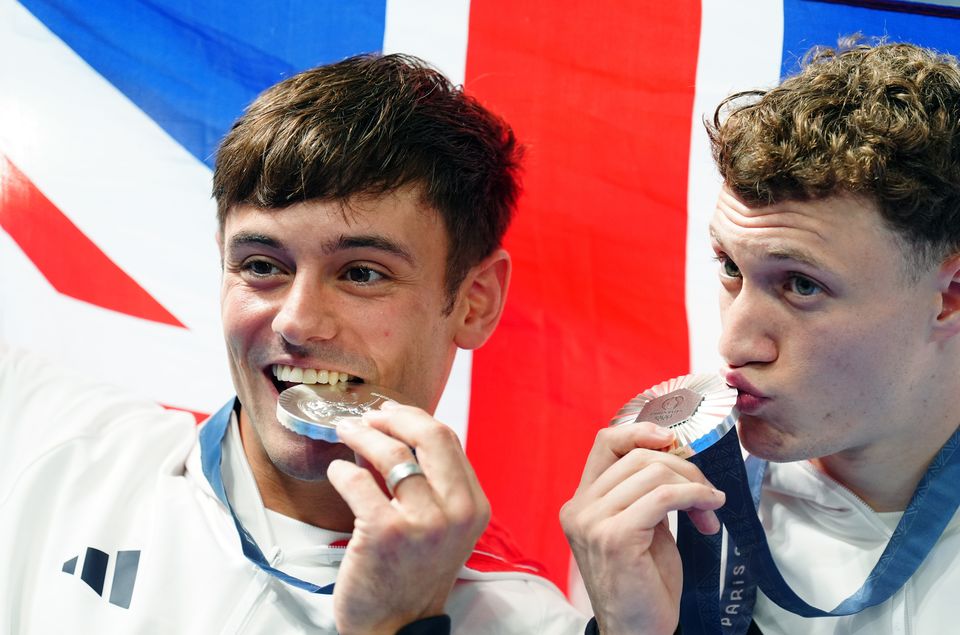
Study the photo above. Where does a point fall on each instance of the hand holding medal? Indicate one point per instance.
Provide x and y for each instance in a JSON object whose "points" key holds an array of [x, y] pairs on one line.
{"points": [[409, 541], [635, 475], [315, 410], [698, 409]]}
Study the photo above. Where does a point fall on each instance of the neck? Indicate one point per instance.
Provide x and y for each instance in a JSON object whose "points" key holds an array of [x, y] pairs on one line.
{"points": [[315, 502], [885, 478]]}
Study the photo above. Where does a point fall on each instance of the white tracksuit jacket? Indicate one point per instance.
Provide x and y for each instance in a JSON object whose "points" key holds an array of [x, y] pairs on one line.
{"points": [[826, 541], [108, 525]]}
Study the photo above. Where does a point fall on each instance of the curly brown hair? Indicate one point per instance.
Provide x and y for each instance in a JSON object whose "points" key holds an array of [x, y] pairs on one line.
{"points": [[366, 126], [878, 120]]}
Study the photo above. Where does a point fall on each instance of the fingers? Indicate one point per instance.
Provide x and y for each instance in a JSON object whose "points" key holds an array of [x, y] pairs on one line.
{"points": [[643, 480], [437, 446], [706, 521], [405, 552], [611, 444], [644, 497], [399, 472], [627, 463], [389, 437], [638, 459], [629, 479], [358, 489], [384, 453], [697, 500]]}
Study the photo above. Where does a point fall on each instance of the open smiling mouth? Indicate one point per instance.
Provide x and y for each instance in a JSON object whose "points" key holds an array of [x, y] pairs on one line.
{"points": [[288, 376]]}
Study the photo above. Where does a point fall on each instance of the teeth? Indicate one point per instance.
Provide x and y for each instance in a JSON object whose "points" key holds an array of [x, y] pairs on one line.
{"points": [[309, 375]]}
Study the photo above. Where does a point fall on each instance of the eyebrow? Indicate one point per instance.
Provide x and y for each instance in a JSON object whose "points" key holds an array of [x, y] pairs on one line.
{"points": [[797, 255], [342, 243], [782, 253], [249, 238], [369, 241]]}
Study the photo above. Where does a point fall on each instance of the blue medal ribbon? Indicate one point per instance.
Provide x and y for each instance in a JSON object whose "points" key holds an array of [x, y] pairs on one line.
{"points": [[211, 454], [751, 565]]}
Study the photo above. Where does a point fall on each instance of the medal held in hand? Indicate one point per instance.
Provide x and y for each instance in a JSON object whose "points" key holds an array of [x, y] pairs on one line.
{"points": [[699, 409], [314, 410]]}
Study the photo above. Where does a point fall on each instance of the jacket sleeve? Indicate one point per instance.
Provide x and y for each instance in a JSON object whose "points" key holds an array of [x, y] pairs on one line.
{"points": [[44, 404]]}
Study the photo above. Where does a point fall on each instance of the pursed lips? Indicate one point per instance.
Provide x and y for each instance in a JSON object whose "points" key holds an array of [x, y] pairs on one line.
{"points": [[749, 398]]}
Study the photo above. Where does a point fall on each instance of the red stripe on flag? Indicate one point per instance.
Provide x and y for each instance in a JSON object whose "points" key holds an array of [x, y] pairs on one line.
{"points": [[199, 416], [602, 95], [69, 260]]}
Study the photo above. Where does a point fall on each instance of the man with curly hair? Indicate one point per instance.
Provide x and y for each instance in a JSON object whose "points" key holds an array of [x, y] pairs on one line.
{"points": [[837, 234]]}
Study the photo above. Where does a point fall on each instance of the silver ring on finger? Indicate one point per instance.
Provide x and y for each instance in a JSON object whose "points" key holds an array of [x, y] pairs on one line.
{"points": [[401, 471]]}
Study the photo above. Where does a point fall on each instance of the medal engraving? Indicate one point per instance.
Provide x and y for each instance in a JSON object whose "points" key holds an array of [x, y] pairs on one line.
{"points": [[672, 408], [699, 409], [314, 410]]}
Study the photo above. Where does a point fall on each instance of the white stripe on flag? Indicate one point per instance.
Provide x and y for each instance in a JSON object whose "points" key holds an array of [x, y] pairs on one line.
{"points": [[149, 359], [436, 30], [740, 44], [138, 195]]}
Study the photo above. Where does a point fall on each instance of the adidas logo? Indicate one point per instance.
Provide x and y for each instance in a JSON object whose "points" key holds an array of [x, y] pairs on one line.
{"points": [[94, 573]]}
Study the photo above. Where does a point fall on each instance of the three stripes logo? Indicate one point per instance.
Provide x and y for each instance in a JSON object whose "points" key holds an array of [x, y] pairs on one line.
{"points": [[94, 573]]}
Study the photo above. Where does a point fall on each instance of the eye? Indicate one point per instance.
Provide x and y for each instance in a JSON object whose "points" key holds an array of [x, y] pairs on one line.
{"points": [[260, 268], [803, 286], [363, 275], [728, 268]]}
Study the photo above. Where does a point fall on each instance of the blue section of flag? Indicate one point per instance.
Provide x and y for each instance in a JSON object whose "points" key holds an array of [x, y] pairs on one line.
{"points": [[193, 66], [808, 23]]}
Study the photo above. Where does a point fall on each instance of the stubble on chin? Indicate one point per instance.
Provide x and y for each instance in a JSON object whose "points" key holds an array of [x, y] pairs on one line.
{"points": [[294, 455], [763, 440]]}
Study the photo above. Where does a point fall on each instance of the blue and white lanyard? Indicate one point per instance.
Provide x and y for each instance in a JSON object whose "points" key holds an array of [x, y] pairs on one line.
{"points": [[750, 563], [211, 454]]}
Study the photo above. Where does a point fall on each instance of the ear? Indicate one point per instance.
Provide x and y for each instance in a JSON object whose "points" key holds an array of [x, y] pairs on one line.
{"points": [[947, 323], [481, 298]]}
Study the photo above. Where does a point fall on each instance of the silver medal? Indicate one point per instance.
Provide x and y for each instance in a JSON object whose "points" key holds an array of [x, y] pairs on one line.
{"points": [[699, 409], [314, 410]]}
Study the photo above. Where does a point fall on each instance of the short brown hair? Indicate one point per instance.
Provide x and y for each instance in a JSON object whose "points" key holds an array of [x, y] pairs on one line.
{"points": [[879, 120], [366, 126]]}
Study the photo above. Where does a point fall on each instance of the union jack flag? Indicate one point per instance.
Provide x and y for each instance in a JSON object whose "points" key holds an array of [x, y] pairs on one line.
{"points": [[110, 113]]}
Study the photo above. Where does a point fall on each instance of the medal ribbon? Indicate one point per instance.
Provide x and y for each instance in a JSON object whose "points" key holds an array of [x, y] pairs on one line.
{"points": [[211, 453], [751, 565]]}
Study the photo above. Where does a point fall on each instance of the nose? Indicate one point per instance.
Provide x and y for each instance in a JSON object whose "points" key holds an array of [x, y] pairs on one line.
{"points": [[306, 314], [748, 328]]}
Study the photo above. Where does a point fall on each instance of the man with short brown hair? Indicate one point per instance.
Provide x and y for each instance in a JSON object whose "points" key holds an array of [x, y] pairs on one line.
{"points": [[361, 206]]}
